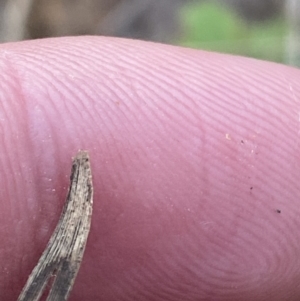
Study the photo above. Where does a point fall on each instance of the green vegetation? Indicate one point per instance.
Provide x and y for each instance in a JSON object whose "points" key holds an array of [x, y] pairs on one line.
{"points": [[211, 27]]}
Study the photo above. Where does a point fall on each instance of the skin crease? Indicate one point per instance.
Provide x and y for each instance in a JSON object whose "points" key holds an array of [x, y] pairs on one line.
{"points": [[192, 155]]}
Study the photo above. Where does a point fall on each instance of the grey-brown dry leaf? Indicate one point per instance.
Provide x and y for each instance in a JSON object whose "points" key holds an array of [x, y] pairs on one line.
{"points": [[63, 254]]}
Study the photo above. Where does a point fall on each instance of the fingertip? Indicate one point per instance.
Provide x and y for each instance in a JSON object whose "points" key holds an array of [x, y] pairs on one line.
{"points": [[191, 152]]}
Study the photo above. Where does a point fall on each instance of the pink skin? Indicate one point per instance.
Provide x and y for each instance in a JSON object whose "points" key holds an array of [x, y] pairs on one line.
{"points": [[192, 154]]}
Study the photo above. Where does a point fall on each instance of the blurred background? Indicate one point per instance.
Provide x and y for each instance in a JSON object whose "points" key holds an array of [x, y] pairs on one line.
{"points": [[264, 29]]}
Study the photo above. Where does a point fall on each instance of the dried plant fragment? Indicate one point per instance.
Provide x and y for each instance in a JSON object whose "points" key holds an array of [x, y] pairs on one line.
{"points": [[63, 254]]}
